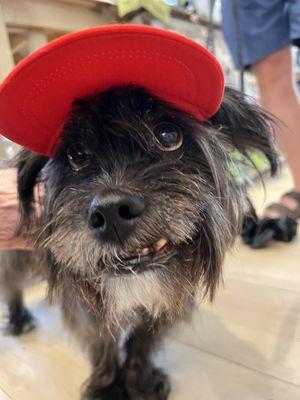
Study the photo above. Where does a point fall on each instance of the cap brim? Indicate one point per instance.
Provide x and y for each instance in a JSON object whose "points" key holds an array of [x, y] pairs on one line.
{"points": [[37, 96]]}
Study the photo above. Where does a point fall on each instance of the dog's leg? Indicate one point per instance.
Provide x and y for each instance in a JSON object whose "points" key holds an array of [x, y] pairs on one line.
{"points": [[13, 271], [20, 319], [142, 380], [104, 382]]}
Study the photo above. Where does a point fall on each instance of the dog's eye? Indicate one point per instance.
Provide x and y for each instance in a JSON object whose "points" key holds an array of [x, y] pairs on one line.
{"points": [[169, 136], [78, 156]]}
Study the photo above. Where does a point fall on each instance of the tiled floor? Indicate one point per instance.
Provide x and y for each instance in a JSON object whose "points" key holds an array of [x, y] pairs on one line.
{"points": [[246, 346]]}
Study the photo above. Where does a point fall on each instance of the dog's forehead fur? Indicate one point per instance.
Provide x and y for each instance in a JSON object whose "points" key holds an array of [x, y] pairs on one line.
{"points": [[117, 127]]}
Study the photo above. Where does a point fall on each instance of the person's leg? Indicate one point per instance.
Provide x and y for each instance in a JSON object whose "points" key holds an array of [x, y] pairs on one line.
{"points": [[278, 94]]}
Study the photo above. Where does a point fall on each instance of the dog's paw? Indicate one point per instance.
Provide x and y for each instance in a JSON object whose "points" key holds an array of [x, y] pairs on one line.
{"points": [[150, 385], [20, 323], [112, 392]]}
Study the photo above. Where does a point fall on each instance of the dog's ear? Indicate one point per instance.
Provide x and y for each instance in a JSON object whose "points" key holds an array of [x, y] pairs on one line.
{"points": [[246, 126], [29, 166]]}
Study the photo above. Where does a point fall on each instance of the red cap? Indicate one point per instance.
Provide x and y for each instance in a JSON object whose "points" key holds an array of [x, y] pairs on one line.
{"points": [[37, 95]]}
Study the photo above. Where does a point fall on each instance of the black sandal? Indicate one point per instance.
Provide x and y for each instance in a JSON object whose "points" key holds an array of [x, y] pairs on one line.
{"points": [[257, 233]]}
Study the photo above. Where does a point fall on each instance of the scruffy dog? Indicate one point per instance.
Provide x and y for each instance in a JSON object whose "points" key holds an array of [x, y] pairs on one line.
{"points": [[138, 212]]}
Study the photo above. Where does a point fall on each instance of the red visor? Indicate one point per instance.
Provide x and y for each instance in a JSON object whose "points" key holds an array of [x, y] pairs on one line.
{"points": [[37, 96]]}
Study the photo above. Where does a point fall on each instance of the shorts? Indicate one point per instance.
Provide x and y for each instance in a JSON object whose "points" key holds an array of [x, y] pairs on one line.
{"points": [[254, 29]]}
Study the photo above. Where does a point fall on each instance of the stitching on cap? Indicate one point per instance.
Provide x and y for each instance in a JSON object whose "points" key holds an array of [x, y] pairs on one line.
{"points": [[182, 41], [70, 67], [179, 40]]}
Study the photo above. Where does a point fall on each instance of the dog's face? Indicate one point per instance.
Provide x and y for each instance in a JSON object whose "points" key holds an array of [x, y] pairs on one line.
{"points": [[139, 201]]}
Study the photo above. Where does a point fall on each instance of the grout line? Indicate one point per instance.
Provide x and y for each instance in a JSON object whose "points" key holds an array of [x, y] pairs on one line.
{"points": [[5, 393], [236, 363], [257, 283]]}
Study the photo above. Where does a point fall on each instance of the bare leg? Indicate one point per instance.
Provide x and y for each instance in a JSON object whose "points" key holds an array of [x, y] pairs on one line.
{"points": [[279, 96]]}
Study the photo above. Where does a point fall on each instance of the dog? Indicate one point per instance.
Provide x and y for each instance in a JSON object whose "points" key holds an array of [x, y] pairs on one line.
{"points": [[139, 209]]}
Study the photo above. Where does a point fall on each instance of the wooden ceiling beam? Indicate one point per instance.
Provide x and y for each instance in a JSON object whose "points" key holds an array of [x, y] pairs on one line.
{"points": [[6, 58], [52, 15]]}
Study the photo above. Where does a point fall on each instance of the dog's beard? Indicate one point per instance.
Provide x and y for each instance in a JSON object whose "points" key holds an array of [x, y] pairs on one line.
{"points": [[193, 213], [171, 222]]}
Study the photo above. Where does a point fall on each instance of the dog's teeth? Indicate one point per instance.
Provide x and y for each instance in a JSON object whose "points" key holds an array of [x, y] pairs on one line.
{"points": [[160, 244], [145, 251]]}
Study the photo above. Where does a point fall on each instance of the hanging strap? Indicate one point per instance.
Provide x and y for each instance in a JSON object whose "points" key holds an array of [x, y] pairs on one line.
{"points": [[236, 15], [210, 38]]}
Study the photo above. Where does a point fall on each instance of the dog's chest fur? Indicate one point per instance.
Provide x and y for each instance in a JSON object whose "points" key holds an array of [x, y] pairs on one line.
{"points": [[126, 295]]}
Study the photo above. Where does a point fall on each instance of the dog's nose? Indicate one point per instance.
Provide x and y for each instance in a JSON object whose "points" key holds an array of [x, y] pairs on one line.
{"points": [[113, 216]]}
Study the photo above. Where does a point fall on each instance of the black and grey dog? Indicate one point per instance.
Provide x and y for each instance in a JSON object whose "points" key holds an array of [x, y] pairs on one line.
{"points": [[138, 212]]}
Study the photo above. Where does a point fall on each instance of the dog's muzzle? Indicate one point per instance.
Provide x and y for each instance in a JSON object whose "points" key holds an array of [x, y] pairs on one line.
{"points": [[112, 218]]}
